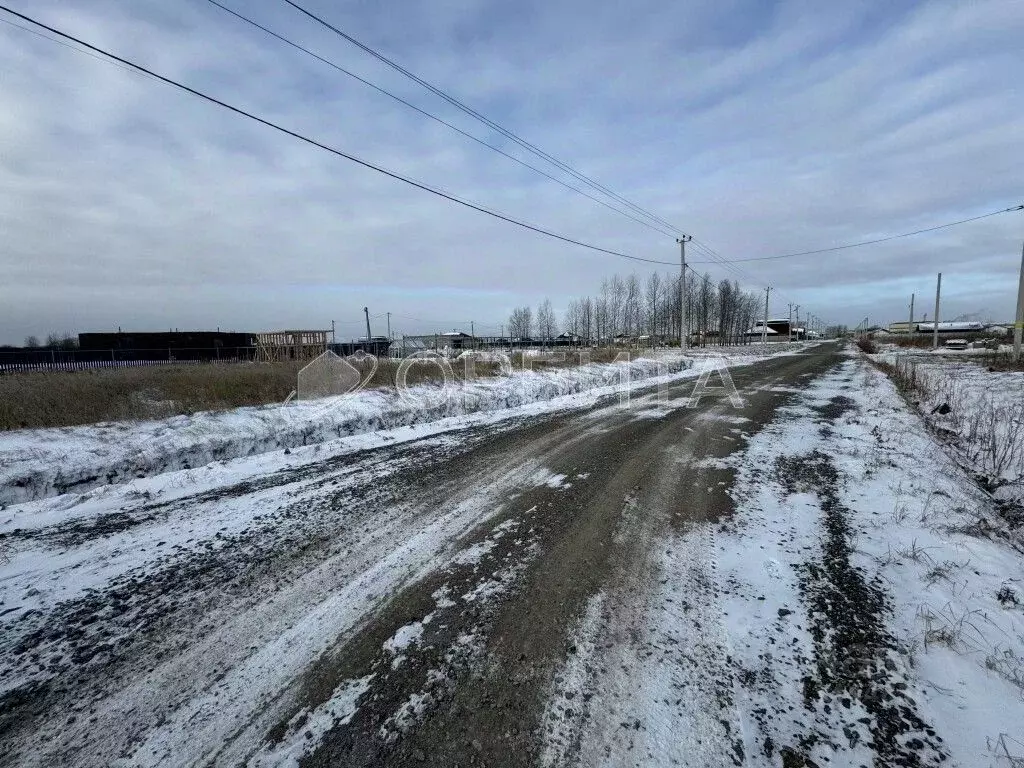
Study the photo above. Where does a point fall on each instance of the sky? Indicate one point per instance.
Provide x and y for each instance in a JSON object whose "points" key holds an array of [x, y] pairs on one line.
{"points": [[758, 127]]}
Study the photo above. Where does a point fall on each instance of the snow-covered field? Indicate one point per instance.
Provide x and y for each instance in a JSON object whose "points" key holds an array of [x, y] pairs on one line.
{"points": [[980, 413], [44, 462]]}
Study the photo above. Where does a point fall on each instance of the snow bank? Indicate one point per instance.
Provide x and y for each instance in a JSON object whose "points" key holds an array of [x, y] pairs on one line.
{"points": [[46, 462]]}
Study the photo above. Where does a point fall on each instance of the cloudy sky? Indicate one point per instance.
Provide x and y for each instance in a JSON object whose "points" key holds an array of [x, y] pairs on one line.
{"points": [[760, 127]]}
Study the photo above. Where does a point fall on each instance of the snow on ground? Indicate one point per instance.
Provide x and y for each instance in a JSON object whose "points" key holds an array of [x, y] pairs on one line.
{"points": [[974, 349], [985, 419], [857, 588], [44, 462], [851, 611], [256, 654]]}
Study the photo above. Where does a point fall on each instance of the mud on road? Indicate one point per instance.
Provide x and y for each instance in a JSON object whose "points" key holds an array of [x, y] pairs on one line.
{"points": [[459, 600]]}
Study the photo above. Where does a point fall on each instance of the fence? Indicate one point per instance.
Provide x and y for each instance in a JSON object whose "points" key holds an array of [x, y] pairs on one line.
{"points": [[29, 360]]}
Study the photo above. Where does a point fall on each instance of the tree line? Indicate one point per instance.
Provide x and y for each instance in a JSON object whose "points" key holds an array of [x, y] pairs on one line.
{"points": [[63, 341], [626, 307]]}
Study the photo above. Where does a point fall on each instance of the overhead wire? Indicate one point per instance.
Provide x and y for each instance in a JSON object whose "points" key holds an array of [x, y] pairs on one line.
{"points": [[485, 120], [320, 145], [879, 239], [714, 258], [70, 47], [674, 230], [442, 121]]}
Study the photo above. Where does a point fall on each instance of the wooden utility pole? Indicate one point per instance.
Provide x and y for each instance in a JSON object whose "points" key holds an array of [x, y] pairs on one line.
{"points": [[682, 290], [935, 321], [367, 313], [389, 325], [764, 328], [910, 325], [1018, 324]]}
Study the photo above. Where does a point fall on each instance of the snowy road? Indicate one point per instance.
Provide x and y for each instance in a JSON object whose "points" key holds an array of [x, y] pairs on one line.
{"points": [[573, 588]]}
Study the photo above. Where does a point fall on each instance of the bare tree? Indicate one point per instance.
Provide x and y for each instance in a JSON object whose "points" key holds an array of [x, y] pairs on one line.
{"points": [[587, 319], [32, 342], [546, 320], [652, 306], [57, 341], [616, 300], [571, 323], [631, 305], [520, 323], [625, 306], [602, 306]]}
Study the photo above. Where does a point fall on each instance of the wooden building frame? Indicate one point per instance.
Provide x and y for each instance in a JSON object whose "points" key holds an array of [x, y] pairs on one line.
{"points": [[281, 346]]}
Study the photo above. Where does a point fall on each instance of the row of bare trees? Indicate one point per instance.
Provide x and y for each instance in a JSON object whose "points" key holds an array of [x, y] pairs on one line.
{"points": [[627, 307]]}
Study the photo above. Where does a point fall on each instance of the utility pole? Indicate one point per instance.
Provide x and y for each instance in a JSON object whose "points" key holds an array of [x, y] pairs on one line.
{"points": [[910, 325], [935, 322], [764, 329], [682, 290], [1018, 325], [332, 331], [798, 322], [790, 322], [389, 325], [367, 313], [472, 333]]}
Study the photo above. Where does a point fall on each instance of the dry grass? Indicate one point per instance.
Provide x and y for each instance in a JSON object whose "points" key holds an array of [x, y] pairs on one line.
{"points": [[60, 399], [55, 399], [1002, 361], [867, 345]]}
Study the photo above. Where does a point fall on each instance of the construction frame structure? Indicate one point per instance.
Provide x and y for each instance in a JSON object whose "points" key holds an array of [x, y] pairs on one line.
{"points": [[283, 346]]}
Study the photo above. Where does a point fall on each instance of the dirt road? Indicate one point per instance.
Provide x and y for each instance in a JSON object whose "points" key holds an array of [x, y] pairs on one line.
{"points": [[417, 604]]}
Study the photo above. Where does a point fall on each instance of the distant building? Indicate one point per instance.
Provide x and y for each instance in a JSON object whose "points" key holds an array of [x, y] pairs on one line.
{"points": [[454, 340], [379, 346], [954, 326], [784, 327], [169, 345], [760, 330]]}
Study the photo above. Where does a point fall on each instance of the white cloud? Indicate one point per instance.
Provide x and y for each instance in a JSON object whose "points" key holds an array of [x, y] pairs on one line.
{"points": [[124, 202]]}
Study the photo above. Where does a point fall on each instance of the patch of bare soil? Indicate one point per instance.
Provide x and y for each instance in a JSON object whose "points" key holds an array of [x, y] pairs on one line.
{"points": [[853, 649]]}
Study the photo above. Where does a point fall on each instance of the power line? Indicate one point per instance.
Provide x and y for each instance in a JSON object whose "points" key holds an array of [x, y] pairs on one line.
{"points": [[313, 142], [71, 47], [485, 120], [435, 118], [877, 240]]}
